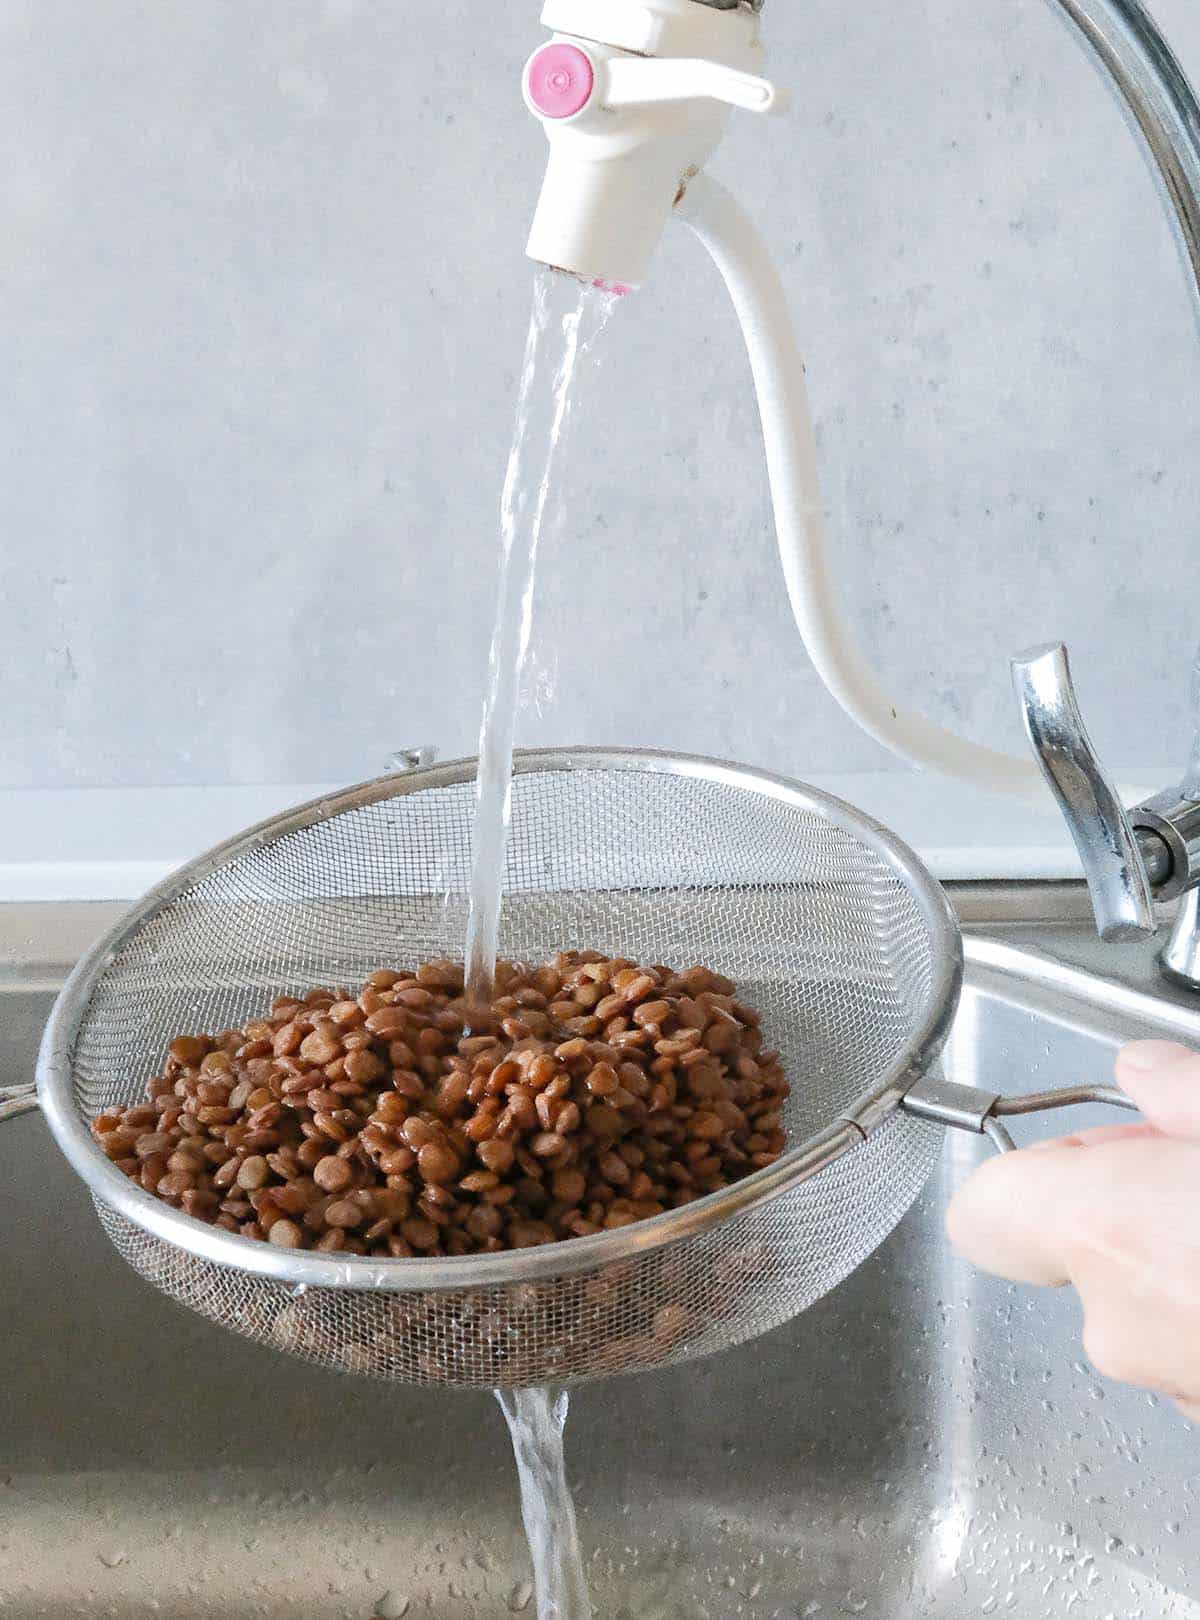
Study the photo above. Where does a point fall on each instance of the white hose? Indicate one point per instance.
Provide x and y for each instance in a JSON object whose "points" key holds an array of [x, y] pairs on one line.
{"points": [[740, 254]]}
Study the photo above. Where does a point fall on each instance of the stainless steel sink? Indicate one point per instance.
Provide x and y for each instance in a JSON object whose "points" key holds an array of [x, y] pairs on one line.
{"points": [[926, 1442]]}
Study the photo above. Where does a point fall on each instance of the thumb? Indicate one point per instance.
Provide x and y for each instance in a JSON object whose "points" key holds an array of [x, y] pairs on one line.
{"points": [[1164, 1081]]}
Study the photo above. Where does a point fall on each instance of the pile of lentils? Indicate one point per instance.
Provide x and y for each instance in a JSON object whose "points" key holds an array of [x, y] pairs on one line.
{"points": [[590, 1094]]}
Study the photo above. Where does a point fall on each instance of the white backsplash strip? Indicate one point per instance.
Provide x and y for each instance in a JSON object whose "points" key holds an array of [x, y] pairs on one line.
{"points": [[114, 844]]}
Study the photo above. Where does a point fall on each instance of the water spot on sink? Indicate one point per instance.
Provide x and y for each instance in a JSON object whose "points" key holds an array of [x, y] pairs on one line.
{"points": [[392, 1606], [112, 1557], [520, 1597]]}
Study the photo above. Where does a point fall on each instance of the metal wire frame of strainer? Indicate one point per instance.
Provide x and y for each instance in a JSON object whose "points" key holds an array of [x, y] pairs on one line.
{"points": [[831, 927]]}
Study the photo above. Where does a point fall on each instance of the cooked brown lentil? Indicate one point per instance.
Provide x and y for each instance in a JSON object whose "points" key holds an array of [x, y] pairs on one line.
{"points": [[593, 1093]]}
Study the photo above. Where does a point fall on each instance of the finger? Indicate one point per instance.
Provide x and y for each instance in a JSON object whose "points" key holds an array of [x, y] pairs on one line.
{"points": [[1116, 1220], [1134, 1256], [1138, 1329], [1025, 1216], [1190, 1410], [1005, 1218], [1098, 1137], [1164, 1081]]}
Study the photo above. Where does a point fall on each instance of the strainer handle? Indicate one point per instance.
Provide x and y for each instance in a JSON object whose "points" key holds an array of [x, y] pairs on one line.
{"points": [[965, 1108], [17, 1100]]}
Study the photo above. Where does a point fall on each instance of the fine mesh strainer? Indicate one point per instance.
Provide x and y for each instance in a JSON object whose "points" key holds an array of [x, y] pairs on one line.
{"points": [[830, 926]]}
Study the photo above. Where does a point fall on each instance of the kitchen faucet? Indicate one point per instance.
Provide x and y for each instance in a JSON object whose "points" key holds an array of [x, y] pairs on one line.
{"points": [[635, 97]]}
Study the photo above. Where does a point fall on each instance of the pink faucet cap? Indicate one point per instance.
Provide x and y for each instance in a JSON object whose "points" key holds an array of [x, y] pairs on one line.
{"points": [[561, 80]]}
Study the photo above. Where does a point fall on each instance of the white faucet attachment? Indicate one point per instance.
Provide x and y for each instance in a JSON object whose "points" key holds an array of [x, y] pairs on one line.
{"points": [[633, 98]]}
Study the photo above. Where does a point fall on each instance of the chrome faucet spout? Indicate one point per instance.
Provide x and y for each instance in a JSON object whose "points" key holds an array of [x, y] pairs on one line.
{"points": [[1131, 51]]}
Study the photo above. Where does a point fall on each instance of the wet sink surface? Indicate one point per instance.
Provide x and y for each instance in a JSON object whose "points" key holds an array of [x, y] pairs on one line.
{"points": [[925, 1442]]}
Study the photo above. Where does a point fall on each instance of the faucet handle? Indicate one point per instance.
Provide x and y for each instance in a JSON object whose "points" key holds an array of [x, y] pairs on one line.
{"points": [[1112, 856], [647, 81]]}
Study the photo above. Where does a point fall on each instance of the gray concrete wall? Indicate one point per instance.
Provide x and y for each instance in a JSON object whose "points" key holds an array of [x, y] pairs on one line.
{"points": [[262, 301]]}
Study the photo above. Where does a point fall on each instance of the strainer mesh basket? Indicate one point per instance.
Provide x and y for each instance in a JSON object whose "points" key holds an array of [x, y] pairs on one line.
{"points": [[829, 933]]}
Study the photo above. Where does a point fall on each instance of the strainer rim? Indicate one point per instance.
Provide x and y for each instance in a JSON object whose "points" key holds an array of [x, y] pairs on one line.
{"points": [[305, 1268]]}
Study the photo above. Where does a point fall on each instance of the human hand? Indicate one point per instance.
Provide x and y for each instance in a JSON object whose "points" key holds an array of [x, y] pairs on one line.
{"points": [[1116, 1213]]}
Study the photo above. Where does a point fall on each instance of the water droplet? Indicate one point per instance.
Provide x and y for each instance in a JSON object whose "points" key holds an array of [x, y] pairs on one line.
{"points": [[112, 1558], [392, 1606], [520, 1597]]}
